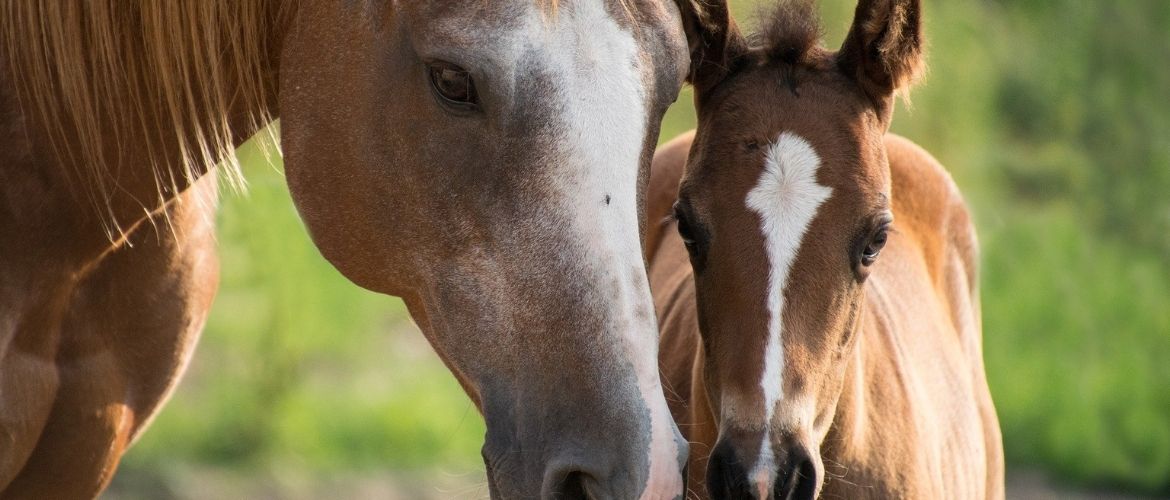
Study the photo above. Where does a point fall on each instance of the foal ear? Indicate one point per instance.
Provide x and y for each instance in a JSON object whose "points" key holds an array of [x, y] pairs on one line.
{"points": [[714, 40], [883, 50]]}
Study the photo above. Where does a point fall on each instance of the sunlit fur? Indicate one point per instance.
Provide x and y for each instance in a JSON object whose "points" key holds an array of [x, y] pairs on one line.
{"points": [[203, 61]]}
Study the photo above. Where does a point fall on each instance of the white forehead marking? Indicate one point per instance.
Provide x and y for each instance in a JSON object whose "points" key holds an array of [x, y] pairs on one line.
{"points": [[786, 198], [599, 78]]}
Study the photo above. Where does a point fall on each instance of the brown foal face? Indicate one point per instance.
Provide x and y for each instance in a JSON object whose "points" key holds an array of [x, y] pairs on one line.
{"points": [[485, 161], [783, 217], [784, 208]]}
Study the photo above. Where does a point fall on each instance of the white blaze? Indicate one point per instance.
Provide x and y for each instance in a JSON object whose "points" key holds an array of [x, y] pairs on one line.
{"points": [[597, 85], [599, 75], [786, 198]]}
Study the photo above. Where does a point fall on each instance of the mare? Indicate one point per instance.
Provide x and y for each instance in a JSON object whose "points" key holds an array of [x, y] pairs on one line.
{"points": [[815, 278], [485, 161]]}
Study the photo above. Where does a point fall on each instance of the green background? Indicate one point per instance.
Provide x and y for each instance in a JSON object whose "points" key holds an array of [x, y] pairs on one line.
{"points": [[1054, 118]]}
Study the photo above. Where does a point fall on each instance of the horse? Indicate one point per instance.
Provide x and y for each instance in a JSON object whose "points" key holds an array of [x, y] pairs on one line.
{"points": [[484, 161], [815, 277]]}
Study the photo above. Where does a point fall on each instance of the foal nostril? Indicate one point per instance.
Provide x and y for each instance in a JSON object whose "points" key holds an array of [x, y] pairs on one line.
{"points": [[798, 481], [726, 475]]}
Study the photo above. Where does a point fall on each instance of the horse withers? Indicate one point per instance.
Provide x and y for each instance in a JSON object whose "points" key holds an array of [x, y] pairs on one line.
{"points": [[815, 279]]}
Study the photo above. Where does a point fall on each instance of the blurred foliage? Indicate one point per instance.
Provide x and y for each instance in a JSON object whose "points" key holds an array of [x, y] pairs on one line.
{"points": [[1053, 116], [299, 368]]}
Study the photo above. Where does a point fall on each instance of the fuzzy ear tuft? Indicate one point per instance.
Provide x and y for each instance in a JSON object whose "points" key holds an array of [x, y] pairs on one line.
{"points": [[715, 41], [790, 31], [884, 49]]}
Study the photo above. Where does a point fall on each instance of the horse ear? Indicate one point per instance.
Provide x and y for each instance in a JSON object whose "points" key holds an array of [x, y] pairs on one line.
{"points": [[714, 40], [883, 50]]}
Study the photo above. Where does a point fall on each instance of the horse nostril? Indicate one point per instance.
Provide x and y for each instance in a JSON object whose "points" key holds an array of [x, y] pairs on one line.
{"points": [[575, 484], [572, 488], [726, 476], [799, 481]]}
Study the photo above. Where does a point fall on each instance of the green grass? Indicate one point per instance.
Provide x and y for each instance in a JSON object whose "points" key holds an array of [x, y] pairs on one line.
{"points": [[1052, 116]]}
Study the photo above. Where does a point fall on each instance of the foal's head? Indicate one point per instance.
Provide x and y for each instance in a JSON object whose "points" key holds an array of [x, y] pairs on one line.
{"points": [[784, 207]]}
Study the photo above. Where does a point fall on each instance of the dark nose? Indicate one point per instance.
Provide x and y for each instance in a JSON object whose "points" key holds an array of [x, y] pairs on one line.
{"points": [[726, 474], [796, 476]]}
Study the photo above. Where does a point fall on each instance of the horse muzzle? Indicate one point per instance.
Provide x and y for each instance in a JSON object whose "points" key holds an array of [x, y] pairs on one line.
{"points": [[791, 473], [563, 452]]}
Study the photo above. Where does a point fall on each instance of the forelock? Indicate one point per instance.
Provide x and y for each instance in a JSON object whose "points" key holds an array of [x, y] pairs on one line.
{"points": [[788, 32]]}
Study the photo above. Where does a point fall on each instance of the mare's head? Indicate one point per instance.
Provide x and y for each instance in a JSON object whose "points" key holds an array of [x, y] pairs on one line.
{"points": [[485, 160], [784, 207]]}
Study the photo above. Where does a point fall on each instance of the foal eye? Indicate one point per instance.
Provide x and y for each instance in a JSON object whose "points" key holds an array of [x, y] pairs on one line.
{"points": [[694, 236], [454, 85], [876, 242], [684, 228]]}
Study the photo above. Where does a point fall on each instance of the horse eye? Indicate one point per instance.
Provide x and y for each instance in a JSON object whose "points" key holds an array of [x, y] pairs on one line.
{"points": [[454, 85], [876, 242]]}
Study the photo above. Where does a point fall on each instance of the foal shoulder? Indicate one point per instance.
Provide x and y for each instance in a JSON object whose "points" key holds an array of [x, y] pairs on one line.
{"points": [[928, 204]]}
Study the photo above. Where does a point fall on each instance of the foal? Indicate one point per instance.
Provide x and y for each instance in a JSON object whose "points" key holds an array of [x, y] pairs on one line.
{"points": [[828, 324]]}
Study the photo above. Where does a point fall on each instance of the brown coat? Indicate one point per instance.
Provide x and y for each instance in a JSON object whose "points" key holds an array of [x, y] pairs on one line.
{"points": [[915, 418]]}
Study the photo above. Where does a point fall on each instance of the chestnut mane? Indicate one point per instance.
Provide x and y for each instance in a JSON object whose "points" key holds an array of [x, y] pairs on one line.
{"points": [[146, 75]]}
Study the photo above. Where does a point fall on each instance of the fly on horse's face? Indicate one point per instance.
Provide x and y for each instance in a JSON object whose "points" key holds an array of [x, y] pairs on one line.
{"points": [[485, 161], [784, 207]]}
